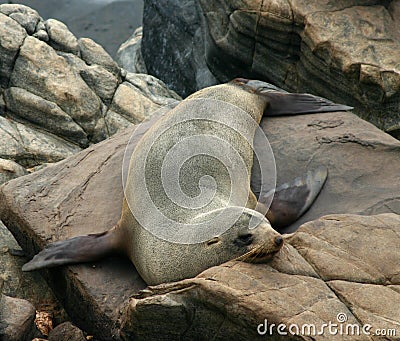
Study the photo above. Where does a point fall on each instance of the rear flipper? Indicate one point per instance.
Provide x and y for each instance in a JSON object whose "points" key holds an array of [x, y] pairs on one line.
{"points": [[75, 250], [291, 200], [292, 103]]}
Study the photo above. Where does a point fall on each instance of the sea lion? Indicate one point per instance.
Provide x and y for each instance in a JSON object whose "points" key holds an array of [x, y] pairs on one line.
{"points": [[168, 240]]}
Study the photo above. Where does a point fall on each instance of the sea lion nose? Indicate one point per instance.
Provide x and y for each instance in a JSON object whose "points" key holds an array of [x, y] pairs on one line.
{"points": [[278, 241]]}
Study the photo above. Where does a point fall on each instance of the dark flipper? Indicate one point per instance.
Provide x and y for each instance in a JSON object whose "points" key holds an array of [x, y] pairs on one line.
{"points": [[75, 250], [291, 103], [292, 200]]}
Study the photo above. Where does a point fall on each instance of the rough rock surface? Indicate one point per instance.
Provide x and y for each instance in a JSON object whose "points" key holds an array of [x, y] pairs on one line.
{"points": [[60, 94], [10, 170], [341, 276], [129, 54], [16, 319], [66, 331], [53, 204], [343, 50]]}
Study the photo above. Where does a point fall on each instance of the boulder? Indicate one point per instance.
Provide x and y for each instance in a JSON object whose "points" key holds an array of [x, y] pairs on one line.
{"points": [[27, 17], [345, 50], [66, 331], [27, 286], [16, 319], [93, 53], [12, 37], [129, 54], [60, 94], [60, 37], [321, 261], [38, 69], [10, 170]]}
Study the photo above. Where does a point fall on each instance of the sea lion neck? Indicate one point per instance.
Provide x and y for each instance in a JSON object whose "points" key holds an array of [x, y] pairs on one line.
{"points": [[235, 94]]}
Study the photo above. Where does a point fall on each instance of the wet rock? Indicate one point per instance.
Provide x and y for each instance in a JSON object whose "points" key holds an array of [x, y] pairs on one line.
{"points": [[60, 37]]}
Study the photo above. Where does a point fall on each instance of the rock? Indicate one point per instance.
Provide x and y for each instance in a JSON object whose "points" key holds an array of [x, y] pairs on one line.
{"points": [[12, 36], [41, 71], [27, 17], [236, 297], [360, 159], [41, 35], [111, 281], [66, 331], [93, 53], [344, 51], [16, 319], [62, 102], [30, 147], [101, 81], [28, 286], [129, 55], [152, 88], [10, 170], [60, 37], [176, 53], [130, 104], [44, 114]]}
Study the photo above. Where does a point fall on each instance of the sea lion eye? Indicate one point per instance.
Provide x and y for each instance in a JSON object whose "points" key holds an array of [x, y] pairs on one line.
{"points": [[244, 239], [212, 241]]}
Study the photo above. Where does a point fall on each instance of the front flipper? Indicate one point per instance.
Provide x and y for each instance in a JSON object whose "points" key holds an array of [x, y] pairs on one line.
{"points": [[291, 200], [71, 251]]}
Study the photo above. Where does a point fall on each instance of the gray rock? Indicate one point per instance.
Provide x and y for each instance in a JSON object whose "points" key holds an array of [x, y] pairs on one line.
{"points": [[66, 331], [10, 170], [27, 17], [129, 55], [176, 52], [41, 71], [16, 319], [12, 36], [236, 297], [93, 53], [60, 37], [42, 35], [152, 88], [44, 114], [30, 147]]}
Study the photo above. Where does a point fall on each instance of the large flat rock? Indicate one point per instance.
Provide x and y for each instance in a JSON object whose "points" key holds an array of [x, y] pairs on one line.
{"points": [[83, 194]]}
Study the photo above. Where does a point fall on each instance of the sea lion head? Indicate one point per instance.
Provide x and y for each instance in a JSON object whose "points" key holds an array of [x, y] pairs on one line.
{"points": [[251, 238]]}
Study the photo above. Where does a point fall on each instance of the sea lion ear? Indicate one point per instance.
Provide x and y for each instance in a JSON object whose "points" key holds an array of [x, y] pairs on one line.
{"points": [[282, 103]]}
